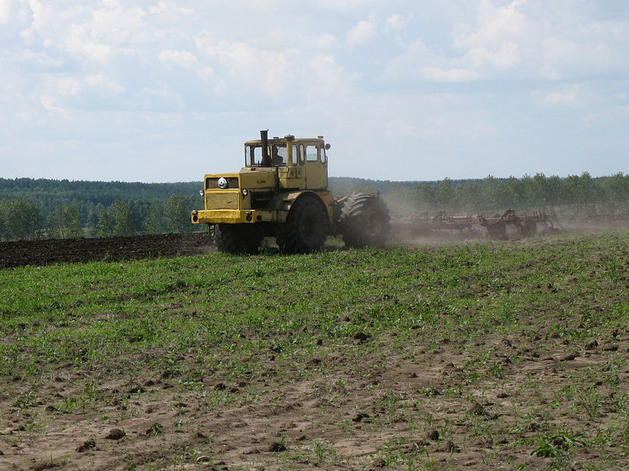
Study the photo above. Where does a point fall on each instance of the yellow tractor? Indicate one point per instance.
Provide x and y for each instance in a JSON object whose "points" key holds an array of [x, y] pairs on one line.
{"points": [[282, 192]]}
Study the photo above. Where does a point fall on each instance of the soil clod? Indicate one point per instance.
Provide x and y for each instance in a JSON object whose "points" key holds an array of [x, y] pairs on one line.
{"points": [[115, 434], [433, 435], [277, 447], [85, 446], [477, 409]]}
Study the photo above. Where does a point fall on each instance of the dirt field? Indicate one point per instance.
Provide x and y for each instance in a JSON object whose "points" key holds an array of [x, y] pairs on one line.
{"points": [[410, 410], [506, 402], [394, 409], [48, 252]]}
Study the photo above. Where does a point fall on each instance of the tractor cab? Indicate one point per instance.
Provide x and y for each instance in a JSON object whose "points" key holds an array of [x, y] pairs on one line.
{"points": [[300, 163]]}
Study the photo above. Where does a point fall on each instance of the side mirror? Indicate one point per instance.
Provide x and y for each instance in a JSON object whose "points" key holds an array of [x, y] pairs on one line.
{"points": [[327, 146]]}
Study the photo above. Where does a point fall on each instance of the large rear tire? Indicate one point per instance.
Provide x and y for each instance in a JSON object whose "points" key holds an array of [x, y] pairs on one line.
{"points": [[237, 238], [364, 220], [305, 229]]}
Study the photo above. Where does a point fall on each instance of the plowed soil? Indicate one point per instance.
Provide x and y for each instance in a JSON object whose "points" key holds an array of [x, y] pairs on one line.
{"points": [[525, 397], [48, 252]]}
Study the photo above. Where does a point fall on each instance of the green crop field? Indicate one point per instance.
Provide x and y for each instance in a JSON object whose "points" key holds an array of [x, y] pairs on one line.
{"points": [[481, 355]]}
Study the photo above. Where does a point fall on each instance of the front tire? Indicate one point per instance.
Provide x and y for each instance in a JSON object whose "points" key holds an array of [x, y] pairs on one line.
{"points": [[237, 238], [306, 227]]}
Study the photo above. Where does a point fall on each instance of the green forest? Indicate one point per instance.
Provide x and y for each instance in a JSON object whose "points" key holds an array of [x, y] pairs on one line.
{"points": [[45, 208]]}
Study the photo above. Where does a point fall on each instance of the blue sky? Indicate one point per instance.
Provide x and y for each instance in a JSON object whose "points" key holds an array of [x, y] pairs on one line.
{"points": [[167, 90]]}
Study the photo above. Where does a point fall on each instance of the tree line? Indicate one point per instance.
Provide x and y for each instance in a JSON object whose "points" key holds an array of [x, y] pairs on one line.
{"points": [[575, 195], [87, 196], [32, 209], [23, 220], [44, 208]]}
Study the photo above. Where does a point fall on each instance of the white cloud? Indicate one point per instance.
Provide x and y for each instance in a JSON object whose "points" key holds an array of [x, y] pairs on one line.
{"points": [[346, 5], [396, 22], [183, 59], [170, 10], [344, 67], [329, 77], [563, 56], [104, 85], [49, 104], [117, 25], [97, 34], [436, 74], [561, 98], [239, 62], [522, 38], [41, 13], [416, 62], [161, 91], [568, 95], [361, 33], [325, 40], [495, 25], [497, 39], [507, 56], [68, 86], [6, 9]]}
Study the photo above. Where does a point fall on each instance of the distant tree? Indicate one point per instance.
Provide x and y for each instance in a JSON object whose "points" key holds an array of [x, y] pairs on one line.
{"points": [[124, 223], [105, 226], [509, 194], [615, 192], [488, 201], [92, 222], [177, 213], [445, 195], [153, 223], [3, 231], [426, 194], [583, 193], [467, 195], [555, 191], [21, 220], [546, 191], [65, 222]]}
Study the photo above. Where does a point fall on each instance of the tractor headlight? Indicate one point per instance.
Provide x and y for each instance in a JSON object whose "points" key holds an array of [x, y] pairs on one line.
{"points": [[201, 192], [222, 183], [245, 192]]}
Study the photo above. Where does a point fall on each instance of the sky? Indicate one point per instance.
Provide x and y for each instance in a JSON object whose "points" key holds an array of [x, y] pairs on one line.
{"points": [[403, 90]]}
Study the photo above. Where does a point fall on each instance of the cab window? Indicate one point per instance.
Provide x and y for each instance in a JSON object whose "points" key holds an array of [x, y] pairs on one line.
{"points": [[279, 155], [253, 156], [295, 155], [309, 153]]}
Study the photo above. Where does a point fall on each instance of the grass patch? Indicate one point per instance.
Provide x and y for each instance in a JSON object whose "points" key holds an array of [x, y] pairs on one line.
{"points": [[378, 341]]}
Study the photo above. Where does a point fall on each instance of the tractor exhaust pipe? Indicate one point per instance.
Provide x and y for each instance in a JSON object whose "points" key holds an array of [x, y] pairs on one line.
{"points": [[264, 137]]}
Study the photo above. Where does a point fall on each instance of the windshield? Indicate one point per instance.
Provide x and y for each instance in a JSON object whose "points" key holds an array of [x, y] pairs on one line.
{"points": [[277, 152]]}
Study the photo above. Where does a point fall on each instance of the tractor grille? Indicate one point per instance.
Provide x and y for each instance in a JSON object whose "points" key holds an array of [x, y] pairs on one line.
{"points": [[221, 200], [212, 183]]}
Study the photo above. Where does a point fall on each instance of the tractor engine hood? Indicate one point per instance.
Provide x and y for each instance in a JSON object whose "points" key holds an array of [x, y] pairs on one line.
{"points": [[250, 178], [253, 178]]}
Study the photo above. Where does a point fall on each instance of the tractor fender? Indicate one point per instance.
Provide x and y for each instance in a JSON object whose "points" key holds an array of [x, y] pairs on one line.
{"points": [[283, 201]]}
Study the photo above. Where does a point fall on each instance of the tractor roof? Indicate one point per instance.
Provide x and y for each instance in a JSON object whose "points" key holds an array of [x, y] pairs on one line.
{"points": [[281, 140]]}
